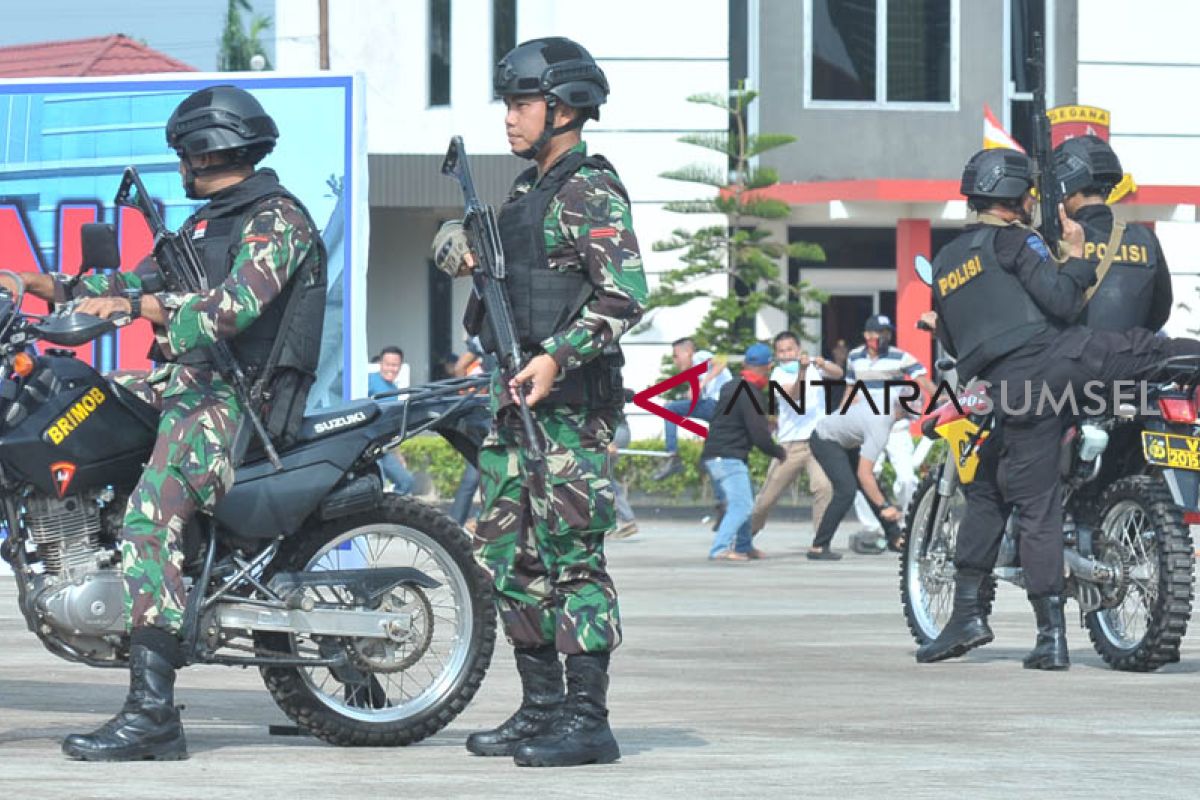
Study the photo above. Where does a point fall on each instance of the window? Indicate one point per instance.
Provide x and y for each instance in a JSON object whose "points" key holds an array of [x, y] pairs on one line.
{"points": [[439, 52], [504, 31], [873, 53]]}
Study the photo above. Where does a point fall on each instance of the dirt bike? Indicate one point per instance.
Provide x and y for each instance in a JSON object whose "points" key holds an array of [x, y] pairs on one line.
{"points": [[1127, 481], [364, 611]]}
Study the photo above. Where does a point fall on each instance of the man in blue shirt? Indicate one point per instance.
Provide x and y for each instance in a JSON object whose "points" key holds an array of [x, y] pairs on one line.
{"points": [[391, 360]]}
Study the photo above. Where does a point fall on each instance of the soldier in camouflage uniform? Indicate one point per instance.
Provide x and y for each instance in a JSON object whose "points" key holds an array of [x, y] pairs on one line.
{"points": [[575, 286], [253, 238]]}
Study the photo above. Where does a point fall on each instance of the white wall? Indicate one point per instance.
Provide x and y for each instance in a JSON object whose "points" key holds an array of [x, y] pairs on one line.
{"points": [[655, 54], [1140, 61]]}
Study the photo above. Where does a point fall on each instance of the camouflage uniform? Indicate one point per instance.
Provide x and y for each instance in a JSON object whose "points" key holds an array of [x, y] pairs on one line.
{"points": [[192, 465], [547, 559]]}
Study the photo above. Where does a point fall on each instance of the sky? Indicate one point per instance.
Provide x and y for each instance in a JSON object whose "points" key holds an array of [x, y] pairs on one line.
{"points": [[188, 30]]}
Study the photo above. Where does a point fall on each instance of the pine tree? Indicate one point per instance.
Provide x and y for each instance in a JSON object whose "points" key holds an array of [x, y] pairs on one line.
{"points": [[238, 45], [746, 255]]}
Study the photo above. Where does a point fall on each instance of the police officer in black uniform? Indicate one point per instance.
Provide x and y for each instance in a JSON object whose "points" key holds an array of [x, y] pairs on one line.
{"points": [[1133, 284], [1004, 311]]}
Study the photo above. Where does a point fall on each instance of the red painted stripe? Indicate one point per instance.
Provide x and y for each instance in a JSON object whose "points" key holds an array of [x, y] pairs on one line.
{"points": [[935, 191]]}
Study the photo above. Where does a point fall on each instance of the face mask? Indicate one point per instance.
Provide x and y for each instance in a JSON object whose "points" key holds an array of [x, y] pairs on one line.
{"points": [[790, 367]]}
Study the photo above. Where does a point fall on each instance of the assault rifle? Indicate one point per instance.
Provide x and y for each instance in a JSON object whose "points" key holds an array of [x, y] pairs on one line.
{"points": [[182, 271], [483, 236], [1045, 177]]}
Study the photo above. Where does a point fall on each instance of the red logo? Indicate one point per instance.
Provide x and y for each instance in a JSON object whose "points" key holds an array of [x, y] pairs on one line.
{"points": [[692, 377], [200, 229], [62, 472]]}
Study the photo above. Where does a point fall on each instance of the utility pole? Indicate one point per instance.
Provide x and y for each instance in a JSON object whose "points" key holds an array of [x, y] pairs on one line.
{"points": [[323, 12]]}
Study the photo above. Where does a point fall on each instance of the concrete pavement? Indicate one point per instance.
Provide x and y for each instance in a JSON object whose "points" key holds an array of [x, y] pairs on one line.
{"points": [[778, 679]]}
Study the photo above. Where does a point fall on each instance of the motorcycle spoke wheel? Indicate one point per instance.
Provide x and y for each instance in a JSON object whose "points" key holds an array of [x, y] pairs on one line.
{"points": [[414, 670], [399, 689], [1146, 612], [927, 563]]}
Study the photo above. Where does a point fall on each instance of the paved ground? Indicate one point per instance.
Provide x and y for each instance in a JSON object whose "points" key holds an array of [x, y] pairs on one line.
{"points": [[779, 679]]}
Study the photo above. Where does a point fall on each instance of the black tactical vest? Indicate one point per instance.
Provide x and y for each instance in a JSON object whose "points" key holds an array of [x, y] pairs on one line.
{"points": [[1124, 298], [545, 301], [984, 306], [216, 231]]}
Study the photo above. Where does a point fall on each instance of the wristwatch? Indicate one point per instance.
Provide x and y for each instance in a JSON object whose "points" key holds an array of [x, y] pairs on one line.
{"points": [[134, 296]]}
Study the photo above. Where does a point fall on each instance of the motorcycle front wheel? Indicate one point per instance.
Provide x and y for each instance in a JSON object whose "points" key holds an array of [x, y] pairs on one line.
{"points": [[389, 692], [927, 563], [1145, 614]]}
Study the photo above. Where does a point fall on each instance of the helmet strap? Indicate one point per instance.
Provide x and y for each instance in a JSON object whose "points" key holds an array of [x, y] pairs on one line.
{"points": [[549, 131], [191, 172]]}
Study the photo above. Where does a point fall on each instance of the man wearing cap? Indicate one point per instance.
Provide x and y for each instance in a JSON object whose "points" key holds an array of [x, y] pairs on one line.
{"points": [[874, 364], [738, 425]]}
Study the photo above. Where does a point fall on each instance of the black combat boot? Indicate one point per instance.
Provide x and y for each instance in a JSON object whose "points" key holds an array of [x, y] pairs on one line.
{"points": [[967, 627], [580, 734], [1050, 652], [542, 698], [147, 727]]}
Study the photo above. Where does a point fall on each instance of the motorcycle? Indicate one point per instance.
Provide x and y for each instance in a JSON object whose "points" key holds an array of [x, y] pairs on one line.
{"points": [[364, 611], [1127, 480]]}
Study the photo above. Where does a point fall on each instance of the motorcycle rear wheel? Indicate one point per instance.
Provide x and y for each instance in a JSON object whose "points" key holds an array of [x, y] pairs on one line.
{"points": [[1142, 528], [394, 693]]}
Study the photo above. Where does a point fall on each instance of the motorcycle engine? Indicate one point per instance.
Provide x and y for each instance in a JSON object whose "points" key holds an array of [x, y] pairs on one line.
{"points": [[80, 592]]}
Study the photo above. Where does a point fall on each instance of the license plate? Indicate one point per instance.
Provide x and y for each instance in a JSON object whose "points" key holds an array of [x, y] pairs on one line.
{"points": [[1171, 450]]}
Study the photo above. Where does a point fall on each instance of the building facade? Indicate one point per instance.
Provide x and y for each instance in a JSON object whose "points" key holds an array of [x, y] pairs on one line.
{"points": [[886, 98]]}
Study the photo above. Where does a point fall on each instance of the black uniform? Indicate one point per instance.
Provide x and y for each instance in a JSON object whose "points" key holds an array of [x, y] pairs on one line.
{"points": [[1003, 307], [1136, 292]]}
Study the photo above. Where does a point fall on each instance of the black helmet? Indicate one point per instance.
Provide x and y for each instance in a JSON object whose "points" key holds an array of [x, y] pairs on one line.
{"points": [[221, 118], [556, 67], [1087, 162], [997, 174]]}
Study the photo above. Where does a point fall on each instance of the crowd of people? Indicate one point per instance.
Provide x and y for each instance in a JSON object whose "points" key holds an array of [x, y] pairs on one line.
{"points": [[840, 443]]}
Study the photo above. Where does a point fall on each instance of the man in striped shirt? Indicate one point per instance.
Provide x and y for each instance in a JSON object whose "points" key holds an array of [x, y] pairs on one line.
{"points": [[874, 364]]}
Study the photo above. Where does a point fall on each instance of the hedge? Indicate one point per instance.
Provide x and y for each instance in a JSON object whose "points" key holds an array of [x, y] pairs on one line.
{"points": [[434, 456]]}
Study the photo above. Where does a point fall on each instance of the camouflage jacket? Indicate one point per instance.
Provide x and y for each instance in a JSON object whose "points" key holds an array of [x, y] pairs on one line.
{"points": [[274, 243], [588, 226]]}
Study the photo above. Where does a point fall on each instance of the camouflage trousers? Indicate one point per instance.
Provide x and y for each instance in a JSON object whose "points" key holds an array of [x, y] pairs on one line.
{"points": [[546, 557], [190, 470]]}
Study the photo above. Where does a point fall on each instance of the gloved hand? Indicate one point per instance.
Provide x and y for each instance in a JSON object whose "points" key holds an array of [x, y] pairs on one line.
{"points": [[451, 252]]}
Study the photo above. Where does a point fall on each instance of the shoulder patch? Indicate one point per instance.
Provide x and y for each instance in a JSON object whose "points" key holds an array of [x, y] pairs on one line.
{"points": [[1037, 245]]}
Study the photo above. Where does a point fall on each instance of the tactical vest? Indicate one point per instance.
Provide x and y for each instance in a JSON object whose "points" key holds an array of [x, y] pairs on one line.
{"points": [[984, 306], [1123, 299], [216, 231], [546, 301]]}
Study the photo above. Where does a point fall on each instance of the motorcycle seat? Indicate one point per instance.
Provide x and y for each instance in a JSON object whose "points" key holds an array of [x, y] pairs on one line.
{"points": [[327, 423]]}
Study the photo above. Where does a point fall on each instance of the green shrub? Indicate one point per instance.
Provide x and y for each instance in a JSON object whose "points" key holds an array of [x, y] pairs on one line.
{"points": [[433, 455]]}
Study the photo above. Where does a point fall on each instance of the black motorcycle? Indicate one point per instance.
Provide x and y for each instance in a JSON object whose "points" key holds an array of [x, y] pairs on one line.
{"points": [[1128, 478], [364, 611]]}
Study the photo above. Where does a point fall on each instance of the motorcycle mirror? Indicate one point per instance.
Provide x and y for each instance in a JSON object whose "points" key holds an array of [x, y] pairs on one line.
{"points": [[100, 249], [924, 270]]}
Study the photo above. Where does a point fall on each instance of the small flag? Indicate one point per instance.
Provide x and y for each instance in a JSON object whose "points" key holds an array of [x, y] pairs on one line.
{"points": [[994, 135]]}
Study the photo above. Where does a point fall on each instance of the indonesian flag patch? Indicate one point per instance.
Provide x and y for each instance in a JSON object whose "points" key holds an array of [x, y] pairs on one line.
{"points": [[200, 229]]}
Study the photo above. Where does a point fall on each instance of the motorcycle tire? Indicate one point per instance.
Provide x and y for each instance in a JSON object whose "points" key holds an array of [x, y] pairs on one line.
{"points": [[924, 622], [1128, 502], [380, 723]]}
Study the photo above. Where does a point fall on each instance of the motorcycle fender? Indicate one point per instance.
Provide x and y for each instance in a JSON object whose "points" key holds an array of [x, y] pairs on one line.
{"points": [[1185, 488]]}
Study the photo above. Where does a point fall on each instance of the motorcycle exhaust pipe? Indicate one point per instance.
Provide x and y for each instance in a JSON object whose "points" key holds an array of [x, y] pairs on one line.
{"points": [[1087, 569]]}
